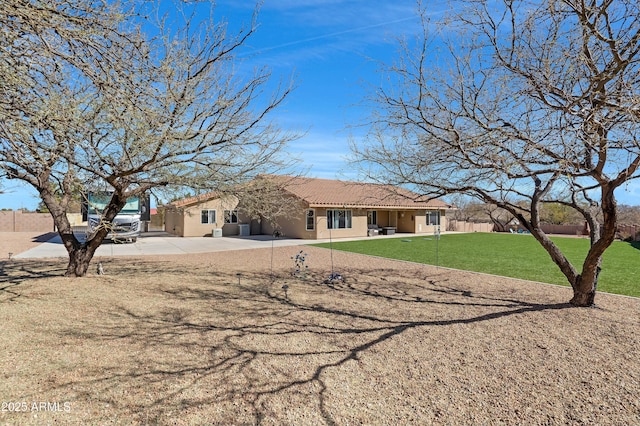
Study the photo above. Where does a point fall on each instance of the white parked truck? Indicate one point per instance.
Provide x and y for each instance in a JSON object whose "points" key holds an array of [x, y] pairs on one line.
{"points": [[126, 226]]}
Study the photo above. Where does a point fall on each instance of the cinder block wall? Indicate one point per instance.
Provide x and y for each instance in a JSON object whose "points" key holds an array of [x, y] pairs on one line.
{"points": [[18, 221]]}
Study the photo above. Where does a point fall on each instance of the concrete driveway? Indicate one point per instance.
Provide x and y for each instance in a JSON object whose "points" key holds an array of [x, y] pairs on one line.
{"points": [[159, 243]]}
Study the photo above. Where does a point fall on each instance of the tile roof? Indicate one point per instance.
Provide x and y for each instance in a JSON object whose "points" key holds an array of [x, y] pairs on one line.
{"points": [[194, 200], [335, 193]]}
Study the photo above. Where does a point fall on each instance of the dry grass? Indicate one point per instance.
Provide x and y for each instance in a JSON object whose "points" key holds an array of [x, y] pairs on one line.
{"points": [[184, 340]]}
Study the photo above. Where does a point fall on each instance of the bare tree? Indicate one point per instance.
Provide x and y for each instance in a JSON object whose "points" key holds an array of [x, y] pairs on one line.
{"points": [[111, 95], [266, 199], [503, 220], [470, 210], [629, 215], [518, 104]]}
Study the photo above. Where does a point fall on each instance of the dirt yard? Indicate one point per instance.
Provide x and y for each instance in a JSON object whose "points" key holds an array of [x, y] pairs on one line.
{"points": [[16, 242], [215, 339]]}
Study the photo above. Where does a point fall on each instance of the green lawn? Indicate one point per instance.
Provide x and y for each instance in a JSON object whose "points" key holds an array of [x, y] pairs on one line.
{"points": [[509, 255]]}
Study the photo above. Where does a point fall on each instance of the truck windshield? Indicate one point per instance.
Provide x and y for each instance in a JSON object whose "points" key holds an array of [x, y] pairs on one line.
{"points": [[98, 202]]}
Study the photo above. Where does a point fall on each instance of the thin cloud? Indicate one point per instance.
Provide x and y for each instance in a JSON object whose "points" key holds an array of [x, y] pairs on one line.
{"points": [[334, 34], [323, 153]]}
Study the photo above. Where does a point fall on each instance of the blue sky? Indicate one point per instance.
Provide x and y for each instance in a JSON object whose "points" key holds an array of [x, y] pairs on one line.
{"points": [[332, 48]]}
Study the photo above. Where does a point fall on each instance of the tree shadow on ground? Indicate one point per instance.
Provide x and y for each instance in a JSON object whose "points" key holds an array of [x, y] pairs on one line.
{"points": [[13, 273], [243, 345]]}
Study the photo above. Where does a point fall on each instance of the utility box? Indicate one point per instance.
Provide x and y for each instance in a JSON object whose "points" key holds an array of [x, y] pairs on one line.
{"points": [[244, 229], [217, 232]]}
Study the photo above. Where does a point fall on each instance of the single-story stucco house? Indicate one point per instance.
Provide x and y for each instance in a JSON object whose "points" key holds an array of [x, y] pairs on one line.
{"points": [[203, 215], [318, 208]]}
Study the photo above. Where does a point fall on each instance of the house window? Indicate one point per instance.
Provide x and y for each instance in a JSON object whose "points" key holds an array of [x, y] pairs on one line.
{"points": [[311, 220], [433, 217], [372, 217], [231, 216], [208, 216], [338, 219]]}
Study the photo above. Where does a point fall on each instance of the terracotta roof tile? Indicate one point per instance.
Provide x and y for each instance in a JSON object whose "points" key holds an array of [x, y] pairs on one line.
{"points": [[194, 200], [335, 193]]}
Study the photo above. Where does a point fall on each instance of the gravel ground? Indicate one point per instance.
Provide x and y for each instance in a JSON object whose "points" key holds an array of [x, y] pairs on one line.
{"points": [[215, 339]]}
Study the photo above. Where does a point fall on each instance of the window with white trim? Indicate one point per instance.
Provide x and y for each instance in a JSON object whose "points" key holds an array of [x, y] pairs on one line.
{"points": [[208, 216], [433, 217], [311, 219], [231, 216], [339, 219]]}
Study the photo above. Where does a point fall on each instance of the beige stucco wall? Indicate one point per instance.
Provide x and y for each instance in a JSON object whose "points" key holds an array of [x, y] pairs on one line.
{"points": [[415, 221], [192, 219], [187, 222], [294, 225], [173, 221], [419, 221], [383, 217], [291, 226], [405, 221], [358, 225], [421, 226]]}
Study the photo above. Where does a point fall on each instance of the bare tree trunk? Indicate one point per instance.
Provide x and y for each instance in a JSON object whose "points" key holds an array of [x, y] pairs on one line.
{"points": [[584, 289], [585, 284], [80, 254], [79, 261]]}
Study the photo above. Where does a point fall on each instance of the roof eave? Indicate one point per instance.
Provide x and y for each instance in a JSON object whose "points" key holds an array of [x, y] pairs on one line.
{"points": [[373, 206]]}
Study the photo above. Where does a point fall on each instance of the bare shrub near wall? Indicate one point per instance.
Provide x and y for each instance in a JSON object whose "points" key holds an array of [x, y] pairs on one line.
{"points": [[629, 232]]}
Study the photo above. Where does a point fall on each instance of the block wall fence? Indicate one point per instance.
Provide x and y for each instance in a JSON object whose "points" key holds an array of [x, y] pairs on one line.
{"points": [[19, 221]]}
